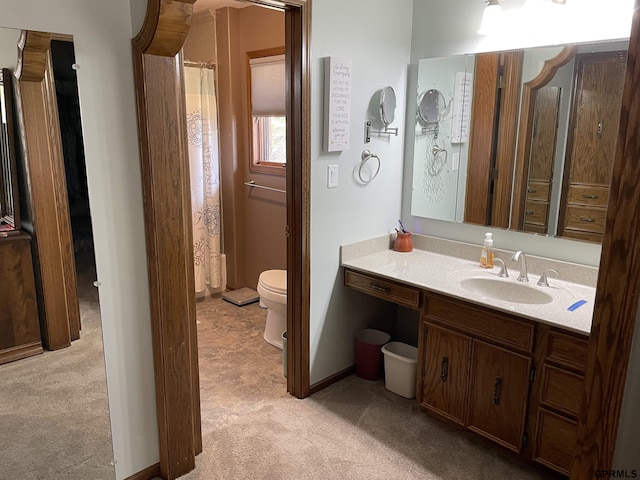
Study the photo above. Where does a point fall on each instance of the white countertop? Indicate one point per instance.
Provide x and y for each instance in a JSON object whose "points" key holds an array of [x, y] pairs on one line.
{"points": [[442, 274]]}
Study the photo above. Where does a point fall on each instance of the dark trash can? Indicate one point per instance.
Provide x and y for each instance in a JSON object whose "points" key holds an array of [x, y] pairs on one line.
{"points": [[369, 357]]}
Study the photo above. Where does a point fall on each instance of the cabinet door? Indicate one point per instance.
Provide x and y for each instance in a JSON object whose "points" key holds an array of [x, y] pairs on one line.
{"points": [[445, 372], [499, 392]]}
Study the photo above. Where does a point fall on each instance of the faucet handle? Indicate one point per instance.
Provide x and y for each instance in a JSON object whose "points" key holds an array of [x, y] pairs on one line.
{"points": [[503, 273], [542, 282]]}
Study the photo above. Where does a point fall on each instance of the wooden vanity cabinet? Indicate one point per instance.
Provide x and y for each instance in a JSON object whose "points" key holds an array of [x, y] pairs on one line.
{"points": [[19, 323], [517, 382], [558, 398], [476, 368]]}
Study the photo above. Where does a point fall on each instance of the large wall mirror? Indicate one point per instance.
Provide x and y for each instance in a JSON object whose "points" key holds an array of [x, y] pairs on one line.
{"points": [[545, 161], [9, 207]]}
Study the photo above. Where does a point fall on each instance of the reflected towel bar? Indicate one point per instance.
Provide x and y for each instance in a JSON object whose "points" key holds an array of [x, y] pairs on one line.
{"points": [[253, 184]]}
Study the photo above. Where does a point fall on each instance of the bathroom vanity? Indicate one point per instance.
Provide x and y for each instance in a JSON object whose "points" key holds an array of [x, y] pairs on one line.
{"points": [[502, 358]]}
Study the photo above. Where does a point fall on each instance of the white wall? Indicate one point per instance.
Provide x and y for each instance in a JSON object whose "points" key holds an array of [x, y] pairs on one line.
{"points": [[102, 38], [439, 30], [375, 35], [8, 48]]}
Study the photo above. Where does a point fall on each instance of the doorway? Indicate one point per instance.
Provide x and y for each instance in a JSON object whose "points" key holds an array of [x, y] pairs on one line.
{"points": [[167, 220], [236, 115]]}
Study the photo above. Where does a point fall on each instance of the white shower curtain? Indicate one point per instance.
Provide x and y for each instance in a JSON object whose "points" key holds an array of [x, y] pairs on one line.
{"points": [[204, 163]]}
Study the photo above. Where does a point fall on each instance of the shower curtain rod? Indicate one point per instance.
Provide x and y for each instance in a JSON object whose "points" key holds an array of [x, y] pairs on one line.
{"points": [[189, 63]]}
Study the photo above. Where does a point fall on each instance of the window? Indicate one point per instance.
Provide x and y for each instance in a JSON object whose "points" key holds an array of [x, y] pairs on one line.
{"points": [[266, 79]]}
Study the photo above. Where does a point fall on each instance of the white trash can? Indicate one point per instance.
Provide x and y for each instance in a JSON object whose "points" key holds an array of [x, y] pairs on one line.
{"points": [[400, 365]]}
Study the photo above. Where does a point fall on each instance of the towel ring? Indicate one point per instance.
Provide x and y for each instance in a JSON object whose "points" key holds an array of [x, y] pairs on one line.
{"points": [[366, 156]]}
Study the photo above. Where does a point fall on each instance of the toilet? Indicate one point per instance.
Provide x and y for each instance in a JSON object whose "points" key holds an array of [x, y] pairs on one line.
{"points": [[272, 288]]}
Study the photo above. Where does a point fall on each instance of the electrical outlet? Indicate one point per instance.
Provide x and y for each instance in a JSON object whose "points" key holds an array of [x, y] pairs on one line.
{"points": [[332, 176]]}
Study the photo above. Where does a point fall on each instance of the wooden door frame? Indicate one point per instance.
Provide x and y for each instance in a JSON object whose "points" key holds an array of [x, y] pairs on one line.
{"points": [[157, 56]]}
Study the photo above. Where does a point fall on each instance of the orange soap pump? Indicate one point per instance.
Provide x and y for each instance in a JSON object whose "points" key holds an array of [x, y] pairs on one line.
{"points": [[486, 256]]}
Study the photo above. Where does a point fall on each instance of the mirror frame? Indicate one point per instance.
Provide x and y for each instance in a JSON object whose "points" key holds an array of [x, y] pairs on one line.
{"points": [[387, 117], [10, 194], [527, 112]]}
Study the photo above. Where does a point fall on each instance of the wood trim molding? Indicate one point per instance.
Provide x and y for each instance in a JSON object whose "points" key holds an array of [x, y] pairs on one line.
{"points": [[336, 377], [506, 141], [527, 113], [165, 28], [42, 150], [33, 52], [616, 304], [167, 215], [148, 473], [298, 55]]}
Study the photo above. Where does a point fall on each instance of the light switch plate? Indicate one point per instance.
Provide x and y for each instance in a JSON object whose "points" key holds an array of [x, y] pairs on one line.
{"points": [[332, 176], [455, 161]]}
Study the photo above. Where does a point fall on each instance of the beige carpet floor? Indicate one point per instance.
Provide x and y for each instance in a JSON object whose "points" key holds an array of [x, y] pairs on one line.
{"points": [[54, 417]]}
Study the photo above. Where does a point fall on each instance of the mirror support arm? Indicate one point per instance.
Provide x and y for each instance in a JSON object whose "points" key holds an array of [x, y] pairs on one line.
{"points": [[387, 131]]}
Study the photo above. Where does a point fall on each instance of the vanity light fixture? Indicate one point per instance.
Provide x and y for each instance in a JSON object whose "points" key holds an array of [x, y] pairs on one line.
{"points": [[491, 17]]}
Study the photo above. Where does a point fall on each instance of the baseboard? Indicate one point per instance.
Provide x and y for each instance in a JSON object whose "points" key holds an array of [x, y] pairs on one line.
{"points": [[19, 352], [146, 474], [336, 377]]}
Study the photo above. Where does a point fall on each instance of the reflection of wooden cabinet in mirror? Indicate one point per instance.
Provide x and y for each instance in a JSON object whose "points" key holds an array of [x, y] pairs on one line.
{"points": [[19, 324], [543, 146], [591, 146], [9, 205]]}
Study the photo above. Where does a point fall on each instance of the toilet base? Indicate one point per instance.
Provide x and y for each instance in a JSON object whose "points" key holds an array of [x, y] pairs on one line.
{"points": [[275, 325], [275, 343]]}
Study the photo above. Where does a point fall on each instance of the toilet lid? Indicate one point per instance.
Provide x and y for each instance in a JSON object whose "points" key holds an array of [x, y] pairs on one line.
{"points": [[274, 280]]}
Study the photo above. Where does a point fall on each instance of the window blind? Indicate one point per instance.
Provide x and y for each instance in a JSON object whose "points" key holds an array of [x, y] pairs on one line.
{"points": [[268, 86]]}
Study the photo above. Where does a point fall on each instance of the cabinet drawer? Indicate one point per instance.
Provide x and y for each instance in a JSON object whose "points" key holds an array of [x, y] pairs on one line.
{"points": [[498, 328], [567, 350], [588, 219], [533, 228], [555, 441], [561, 390], [536, 213], [384, 289], [538, 191], [592, 196]]}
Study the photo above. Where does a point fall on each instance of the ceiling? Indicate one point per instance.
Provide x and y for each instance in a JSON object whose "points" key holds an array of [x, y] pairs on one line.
{"points": [[215, 4]]}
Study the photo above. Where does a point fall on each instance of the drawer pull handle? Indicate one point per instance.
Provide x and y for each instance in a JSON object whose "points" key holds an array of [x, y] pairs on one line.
{"points": [[379, 288], [532, 190], [588, 220], [497, 390], [529, 212], [444, 368], [593, 197]]}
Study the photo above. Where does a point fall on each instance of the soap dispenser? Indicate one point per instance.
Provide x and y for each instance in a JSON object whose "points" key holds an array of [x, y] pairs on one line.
{"points": [[486, 256]]}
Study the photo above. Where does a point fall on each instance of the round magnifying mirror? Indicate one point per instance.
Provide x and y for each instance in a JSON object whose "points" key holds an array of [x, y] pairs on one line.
{"points": [[387, 105], [429, 106]]}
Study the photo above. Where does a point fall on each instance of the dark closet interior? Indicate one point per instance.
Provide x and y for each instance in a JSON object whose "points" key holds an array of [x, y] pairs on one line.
{"points": [[63, 58]]}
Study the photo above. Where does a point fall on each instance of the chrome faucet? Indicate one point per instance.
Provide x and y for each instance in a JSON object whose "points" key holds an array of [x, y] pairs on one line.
{"points": [[519, 255], [503, 273], [543, 281]]}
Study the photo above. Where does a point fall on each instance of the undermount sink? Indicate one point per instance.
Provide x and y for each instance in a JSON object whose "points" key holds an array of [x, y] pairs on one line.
{"points": [[505, 290]]}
